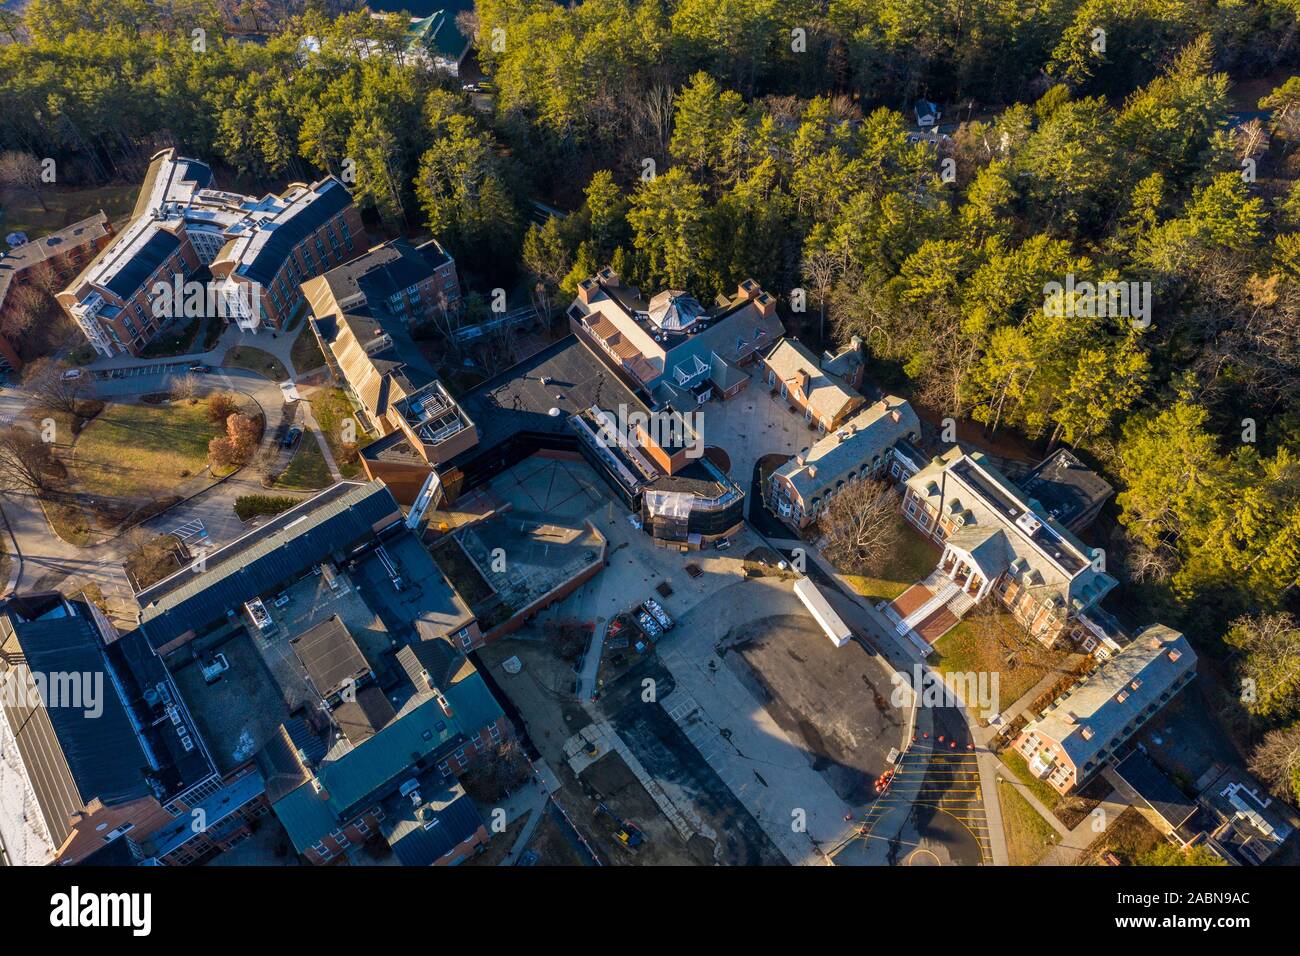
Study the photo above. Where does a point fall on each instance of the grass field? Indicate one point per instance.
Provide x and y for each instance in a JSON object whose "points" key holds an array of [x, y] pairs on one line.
{"points": [[1128, 837], [1043, 791], [990, 640], [306, 354], [23, 212], [1029, 836], [332, 410], [256, 360], [132, 451], [308, 470], [911, 561]]}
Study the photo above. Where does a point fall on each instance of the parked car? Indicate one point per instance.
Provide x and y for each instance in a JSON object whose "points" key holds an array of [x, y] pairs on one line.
{"points": [[198, 368], [291, 437], [72, 373]]}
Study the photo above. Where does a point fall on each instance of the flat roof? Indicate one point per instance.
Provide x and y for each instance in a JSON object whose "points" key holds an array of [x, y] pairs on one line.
{"points": [[265, 558], [330, 656], [1173, 806], [567, 376]]}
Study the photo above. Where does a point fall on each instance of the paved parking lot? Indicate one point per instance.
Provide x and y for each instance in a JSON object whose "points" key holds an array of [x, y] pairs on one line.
{"points": [[753, 424], [836, 703], [932, 813], [729, 719]]}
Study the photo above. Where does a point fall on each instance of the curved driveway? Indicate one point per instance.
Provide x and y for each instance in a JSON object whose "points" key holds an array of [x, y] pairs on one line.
{"points": [[43, 560]]}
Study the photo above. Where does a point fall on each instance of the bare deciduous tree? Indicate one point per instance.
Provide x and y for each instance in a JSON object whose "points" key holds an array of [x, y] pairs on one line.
{"points": [[861, 526], [185, 387], [54, 386], [1277, 761], [23, 306], [26, 463], [820, 269], [22, 171]]}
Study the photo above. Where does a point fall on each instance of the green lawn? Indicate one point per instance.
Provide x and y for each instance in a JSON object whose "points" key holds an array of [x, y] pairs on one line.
{"points": [[23, 213], [131, 451], [256, 360], [1039, 788], [1029, 836], [308, 470], [332, 410], [989, 639], [306, 355], [913, 560]]}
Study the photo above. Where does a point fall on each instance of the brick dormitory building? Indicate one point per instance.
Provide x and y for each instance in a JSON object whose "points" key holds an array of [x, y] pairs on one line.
{"points": [[257, 251]]}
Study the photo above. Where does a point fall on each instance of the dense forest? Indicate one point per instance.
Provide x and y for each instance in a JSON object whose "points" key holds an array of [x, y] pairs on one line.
{"points": [[697, 143]]}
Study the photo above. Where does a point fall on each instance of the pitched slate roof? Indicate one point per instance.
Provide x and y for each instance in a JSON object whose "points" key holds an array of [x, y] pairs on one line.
{"points": [[1065, 487], [421, 836], [305, 213], [262, 559], [142, 264], [828, 397], [867, 435], [377, 764], [1173, 806], [987, 546], [1155, 660]]}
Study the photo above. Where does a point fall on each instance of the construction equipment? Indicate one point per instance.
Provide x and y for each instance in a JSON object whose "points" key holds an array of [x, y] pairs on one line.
{"points": [[627, 832]]}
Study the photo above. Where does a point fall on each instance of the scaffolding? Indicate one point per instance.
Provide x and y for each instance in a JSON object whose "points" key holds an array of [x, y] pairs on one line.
{"points": [[669, 513]]}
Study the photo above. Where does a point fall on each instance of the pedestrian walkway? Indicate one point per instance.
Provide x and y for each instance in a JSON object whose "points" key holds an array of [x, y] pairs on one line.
{"points": [[310, 421], [1072, 847]]}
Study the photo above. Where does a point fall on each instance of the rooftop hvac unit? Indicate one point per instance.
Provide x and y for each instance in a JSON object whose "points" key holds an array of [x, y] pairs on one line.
{"points": [[1028, 523]]}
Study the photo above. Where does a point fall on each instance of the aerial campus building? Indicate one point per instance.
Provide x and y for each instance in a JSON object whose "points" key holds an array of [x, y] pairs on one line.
{"points": [[256, 252], [359, 733]]}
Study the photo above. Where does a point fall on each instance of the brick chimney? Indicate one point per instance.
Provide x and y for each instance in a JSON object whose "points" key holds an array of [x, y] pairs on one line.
{"points": [[765, 304], [587, 290]]}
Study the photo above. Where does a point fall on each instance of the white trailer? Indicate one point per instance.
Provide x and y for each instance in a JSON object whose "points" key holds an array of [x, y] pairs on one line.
{"points": [[822, 612]]}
